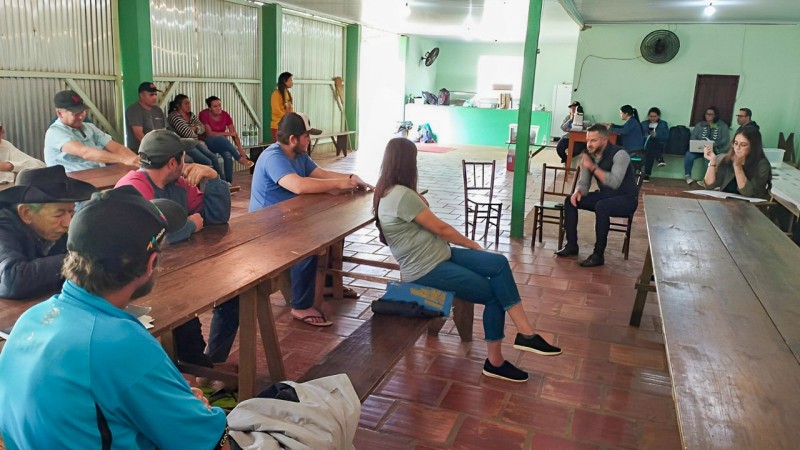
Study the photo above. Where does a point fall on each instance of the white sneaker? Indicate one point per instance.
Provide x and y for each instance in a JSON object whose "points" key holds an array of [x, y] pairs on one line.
{"points": [[689, 180], [662, 164], [701, 183]]}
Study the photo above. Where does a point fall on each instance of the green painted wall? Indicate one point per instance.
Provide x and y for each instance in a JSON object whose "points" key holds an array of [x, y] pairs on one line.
{"points": [[456, 67], [473, 126], [418, 76], [270, 22], [766, 57], [353, 43], [135, 48]]}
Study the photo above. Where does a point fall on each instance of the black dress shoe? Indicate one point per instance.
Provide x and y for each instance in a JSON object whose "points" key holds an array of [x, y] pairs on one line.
{"points": [[593, 260], [568, 250]]}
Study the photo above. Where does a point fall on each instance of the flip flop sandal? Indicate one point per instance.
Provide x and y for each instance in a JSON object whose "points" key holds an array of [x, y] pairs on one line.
{"points": [[223, 399], [310, 320]]}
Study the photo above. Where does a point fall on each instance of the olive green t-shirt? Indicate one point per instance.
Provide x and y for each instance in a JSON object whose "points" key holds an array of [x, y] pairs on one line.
{"points": [[416, 249]]}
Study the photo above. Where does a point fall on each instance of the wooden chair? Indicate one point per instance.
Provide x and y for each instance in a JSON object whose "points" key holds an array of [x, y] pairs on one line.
{"points": [[625, 225], [555, 186], [788, 145], [478, 196]]}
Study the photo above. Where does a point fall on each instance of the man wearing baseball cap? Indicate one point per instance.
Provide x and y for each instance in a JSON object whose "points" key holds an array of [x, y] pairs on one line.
{"points": [[206, 199], [34, 218], [145, 115], [566, 125], [79, 145], [284, 171], [79, 370]]}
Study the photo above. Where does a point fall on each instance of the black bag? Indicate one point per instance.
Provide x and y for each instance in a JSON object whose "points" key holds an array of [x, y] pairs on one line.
{"points": [[430, 99], [405, 309], [444, 97], [678, 143]]}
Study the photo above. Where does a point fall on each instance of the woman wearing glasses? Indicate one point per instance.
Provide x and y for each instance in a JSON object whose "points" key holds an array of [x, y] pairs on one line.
{"points": [[743, 169]]}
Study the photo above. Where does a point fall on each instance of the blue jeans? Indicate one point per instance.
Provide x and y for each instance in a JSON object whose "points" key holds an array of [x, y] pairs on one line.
{"points": [[221, 145], [200, 154], [688, 162], [303, 276], [224, 324], [478, 277]]}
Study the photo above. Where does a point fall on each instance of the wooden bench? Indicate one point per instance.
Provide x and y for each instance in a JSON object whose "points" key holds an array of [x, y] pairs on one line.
{"points": [[340, 139], [727, 288]]}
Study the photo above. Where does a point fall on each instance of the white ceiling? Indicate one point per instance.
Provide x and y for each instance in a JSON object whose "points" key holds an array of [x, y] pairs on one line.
{"points": [[506, 20]]}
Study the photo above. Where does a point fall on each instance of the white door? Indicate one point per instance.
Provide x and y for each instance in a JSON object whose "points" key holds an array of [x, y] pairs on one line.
{"points": [[562, 97]]}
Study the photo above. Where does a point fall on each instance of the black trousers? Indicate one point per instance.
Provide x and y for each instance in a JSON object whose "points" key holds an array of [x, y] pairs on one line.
{"points": [[605, 206], [561, 148], [654, 151]]}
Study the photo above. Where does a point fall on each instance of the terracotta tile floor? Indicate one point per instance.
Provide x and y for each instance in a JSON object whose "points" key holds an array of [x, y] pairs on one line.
{"points": [[609, 389]]}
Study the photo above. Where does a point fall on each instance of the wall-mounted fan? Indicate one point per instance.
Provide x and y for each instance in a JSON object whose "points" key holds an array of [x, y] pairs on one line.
{"points": [[660, 46], [430, 56]]}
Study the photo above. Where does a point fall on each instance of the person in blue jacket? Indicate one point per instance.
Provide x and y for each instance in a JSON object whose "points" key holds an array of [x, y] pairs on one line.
{"points": [[656, 132], [630, 132]]}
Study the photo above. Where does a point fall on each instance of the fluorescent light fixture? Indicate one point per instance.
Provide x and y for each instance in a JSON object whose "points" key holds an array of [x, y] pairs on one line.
{"points": [[710, 10]]}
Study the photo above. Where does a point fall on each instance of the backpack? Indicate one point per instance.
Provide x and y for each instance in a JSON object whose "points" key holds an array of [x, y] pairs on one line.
{"points": [[444, 96], [678, 142], [425, 134]]}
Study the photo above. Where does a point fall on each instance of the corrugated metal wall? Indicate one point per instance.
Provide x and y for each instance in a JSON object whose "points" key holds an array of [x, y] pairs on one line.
{"points": [[68, 37], [205, 45], [313, 50]]}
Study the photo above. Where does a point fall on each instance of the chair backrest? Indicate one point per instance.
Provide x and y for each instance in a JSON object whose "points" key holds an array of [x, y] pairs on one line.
{"points": [[478, 178], [556, 182]]}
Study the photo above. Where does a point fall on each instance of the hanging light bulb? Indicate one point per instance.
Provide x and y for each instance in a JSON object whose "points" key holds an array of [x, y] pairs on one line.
{"points": [[406, 11], [710, 10]]}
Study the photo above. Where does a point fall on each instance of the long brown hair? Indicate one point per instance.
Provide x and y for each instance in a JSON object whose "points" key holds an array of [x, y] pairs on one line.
{"points": [[399, 166], [756, 153]]}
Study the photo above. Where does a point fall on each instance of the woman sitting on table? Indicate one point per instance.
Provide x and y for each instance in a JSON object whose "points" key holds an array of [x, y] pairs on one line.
{"points": [[420, 242], [185, 123], [631, 131], [743, 169]]}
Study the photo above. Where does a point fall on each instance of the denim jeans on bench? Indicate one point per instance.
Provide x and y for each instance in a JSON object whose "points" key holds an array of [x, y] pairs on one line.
{"points": [[480, 277], [221, 145]]}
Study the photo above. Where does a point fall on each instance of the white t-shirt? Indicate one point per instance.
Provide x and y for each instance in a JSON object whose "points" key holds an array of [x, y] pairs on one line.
{"points": [[18, 158]]}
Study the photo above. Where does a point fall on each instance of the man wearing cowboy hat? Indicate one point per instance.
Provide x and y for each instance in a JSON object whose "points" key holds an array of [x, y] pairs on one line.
{"points": [[79, 145], [34, 218]]}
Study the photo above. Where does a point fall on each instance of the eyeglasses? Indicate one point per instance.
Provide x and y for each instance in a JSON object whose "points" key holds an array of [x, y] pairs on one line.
{"points": [[740, 115], [710, 114], [740, 144]]}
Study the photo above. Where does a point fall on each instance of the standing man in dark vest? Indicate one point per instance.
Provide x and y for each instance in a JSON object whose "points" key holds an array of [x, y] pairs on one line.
{"points": [[609, 164]]}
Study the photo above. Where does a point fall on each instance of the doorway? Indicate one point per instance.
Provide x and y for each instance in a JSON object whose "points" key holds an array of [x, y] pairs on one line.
{"points": [[714, 90]]}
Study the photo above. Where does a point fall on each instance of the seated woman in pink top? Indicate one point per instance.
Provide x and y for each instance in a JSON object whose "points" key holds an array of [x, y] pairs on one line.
{"points": [[219, 126]]}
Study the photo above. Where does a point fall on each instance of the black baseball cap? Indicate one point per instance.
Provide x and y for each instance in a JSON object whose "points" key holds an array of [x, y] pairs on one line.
{"points": [[158, 146], [575, 103], [148, 86], [120, 223], [296, 124], [71, 101]]}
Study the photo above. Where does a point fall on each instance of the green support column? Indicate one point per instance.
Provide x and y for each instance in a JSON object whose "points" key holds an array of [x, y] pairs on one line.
{"points": [[352, 46], [135, 45], [271, 24], [524, 119]]}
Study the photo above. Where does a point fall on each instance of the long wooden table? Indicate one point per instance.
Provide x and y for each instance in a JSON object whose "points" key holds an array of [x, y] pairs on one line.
{"points": [[102, 177], [241, 258], [727, 283]]}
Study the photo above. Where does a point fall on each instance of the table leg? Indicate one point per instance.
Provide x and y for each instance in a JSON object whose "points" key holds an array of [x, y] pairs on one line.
{"points": [[642, 288], [322, 270], [570, 148], [335, 254], [247, 343], [269, 333]]}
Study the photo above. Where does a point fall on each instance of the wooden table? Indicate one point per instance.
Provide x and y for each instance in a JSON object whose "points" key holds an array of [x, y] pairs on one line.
{"points": [[580, 136], [727, 283], [241, 258], [786, 187], [102, 177]]}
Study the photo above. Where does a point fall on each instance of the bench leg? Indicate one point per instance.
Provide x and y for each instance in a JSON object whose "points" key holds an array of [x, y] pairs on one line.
{"points": [[642, 288], [269, 334], [463, 316]]}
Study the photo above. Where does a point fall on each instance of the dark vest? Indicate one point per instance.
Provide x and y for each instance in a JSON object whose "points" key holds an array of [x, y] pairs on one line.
{"points": [[628, 185]]}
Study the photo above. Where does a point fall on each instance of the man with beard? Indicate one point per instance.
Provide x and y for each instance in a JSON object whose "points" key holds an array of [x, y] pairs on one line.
{"points": [[610, 166], [79, 370], [206, 200], [284, 171]]}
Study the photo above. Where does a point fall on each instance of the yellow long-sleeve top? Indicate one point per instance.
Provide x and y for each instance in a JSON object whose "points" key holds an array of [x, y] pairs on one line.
{"points": [[279, 107]]}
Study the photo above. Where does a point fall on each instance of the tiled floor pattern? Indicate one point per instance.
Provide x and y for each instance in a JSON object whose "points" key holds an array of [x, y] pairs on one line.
{"points": [[609, 389]]}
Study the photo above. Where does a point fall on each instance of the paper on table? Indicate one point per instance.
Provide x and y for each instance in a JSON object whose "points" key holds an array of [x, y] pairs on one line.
{"points": [[147, 321], [137, 310], [718, 194]]}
